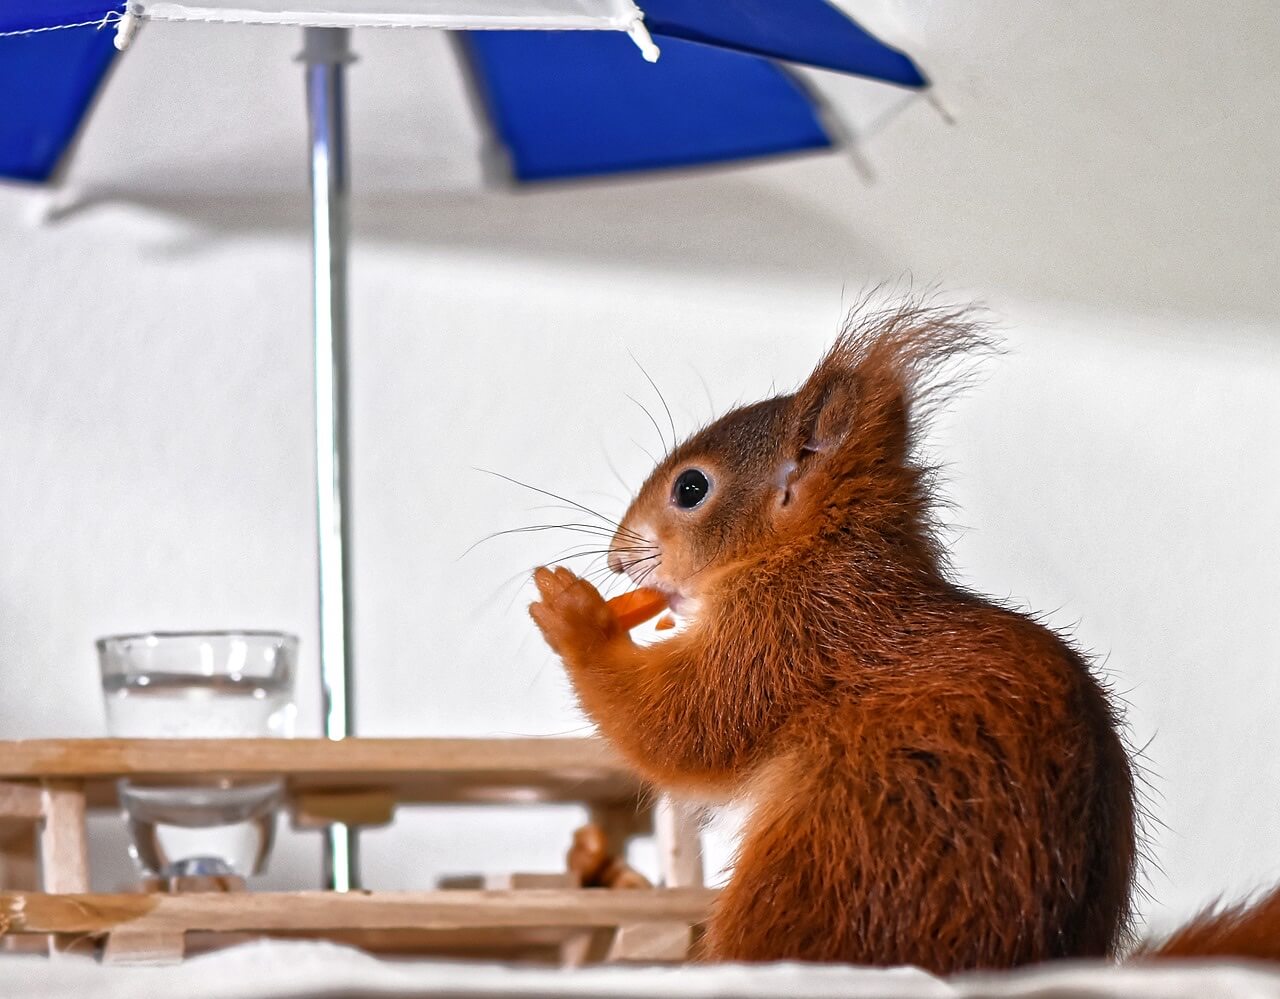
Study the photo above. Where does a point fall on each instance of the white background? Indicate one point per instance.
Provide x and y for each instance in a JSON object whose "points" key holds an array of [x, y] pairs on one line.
{"points": [[1108, 188]]}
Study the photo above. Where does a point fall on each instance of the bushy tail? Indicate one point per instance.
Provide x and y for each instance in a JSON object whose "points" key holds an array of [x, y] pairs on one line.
{"points": [[1248, 930]]}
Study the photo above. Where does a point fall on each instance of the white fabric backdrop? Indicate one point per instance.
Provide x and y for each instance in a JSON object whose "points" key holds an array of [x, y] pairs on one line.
{"points": [[1108, 186]]}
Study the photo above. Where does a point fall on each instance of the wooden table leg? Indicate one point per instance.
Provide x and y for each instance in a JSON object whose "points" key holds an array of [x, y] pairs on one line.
{"points": [[18, 872], [21, 808], [650, 943], [679, 838], [586, 947], [64, 851], [143, 948], [18, 860], [63, 847]]}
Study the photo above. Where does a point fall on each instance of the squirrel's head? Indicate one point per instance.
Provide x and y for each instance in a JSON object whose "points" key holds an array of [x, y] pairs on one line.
{"points": [[829, 463]]}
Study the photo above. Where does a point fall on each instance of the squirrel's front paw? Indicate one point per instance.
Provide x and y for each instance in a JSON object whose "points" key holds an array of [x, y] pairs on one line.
{"points": [[572, 615]]}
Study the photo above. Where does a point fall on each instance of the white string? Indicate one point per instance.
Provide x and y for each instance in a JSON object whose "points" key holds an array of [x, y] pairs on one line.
{"points": [[111, 17]]}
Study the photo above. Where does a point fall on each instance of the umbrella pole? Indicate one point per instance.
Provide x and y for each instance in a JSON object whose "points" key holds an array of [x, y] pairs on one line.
{"points": [[326, 53]]}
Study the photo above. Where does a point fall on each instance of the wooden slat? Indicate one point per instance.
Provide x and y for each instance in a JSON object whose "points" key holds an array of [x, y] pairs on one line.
{"points": [[678, 832], [126, 947], [21, 801], [410, 770], [37, 758], [647, 943], [585, 947], [19, 869], [63, 839], [354, 807], [39, 912], [519, 881], [540, 946]]}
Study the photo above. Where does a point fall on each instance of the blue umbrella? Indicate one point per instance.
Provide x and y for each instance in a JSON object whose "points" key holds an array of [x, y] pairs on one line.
{"points": [[562, 103], [570, 99]]}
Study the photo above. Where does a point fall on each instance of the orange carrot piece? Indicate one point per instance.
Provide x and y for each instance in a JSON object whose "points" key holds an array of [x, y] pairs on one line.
{"points": [[637, 606], [664, 623]]}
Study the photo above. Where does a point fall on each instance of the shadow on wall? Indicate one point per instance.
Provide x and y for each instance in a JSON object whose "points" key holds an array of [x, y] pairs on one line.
{"points": [[699, 221], [745, 224]]}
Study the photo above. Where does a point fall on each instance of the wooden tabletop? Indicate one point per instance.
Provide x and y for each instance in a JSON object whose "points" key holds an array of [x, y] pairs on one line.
{"points": [[413, 770], [36, 912]]}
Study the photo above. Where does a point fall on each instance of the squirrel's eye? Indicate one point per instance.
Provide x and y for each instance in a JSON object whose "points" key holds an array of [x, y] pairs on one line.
{"points": [[691, 488]]}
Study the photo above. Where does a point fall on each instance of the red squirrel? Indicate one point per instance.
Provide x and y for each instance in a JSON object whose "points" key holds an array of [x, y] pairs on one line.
{"points": [[935, 779]]}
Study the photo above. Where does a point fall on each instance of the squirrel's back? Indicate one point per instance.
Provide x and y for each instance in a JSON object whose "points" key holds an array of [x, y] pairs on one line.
{"points": [[963, 801]]}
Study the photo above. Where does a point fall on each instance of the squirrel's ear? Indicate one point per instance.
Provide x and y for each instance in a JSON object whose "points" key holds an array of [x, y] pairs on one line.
{"points": [[826, 412], [834, 406]]}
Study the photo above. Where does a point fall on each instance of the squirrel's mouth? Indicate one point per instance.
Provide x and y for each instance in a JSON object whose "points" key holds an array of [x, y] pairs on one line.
{"points": [[677, 601], [645, 567], [680, 603], [643, 573]]}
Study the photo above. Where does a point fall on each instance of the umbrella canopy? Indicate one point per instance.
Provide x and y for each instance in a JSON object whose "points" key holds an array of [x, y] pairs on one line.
{"points": [[567, 100], [566, 95]]}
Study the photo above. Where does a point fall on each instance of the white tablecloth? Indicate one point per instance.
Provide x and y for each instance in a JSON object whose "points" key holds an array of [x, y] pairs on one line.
{"points": [[288, 970]]}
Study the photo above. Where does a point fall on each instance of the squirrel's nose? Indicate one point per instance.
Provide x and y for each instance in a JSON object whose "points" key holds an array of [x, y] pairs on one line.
{"points": [[632, 545]]}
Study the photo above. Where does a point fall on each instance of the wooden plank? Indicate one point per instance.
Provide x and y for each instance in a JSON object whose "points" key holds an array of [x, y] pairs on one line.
{"points": [[63, 840], [127, 947], [40, 912], [498, 771], [519, 881], [650, 943], [41, 758], [359, 807], [20, 811], [586, 947], [507, 881], [19, 870], [21, 801], [539, 946], [678, 834]]}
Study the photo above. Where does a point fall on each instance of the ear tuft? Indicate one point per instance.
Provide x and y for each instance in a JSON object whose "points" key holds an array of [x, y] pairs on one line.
{"points": [[884, 368]]}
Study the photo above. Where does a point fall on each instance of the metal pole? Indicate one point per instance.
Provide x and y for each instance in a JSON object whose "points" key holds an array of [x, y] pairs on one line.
{"points": [[326, 53]]}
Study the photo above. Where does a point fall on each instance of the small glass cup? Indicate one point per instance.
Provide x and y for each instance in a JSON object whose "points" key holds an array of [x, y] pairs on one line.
{"points": [[197, 685]]}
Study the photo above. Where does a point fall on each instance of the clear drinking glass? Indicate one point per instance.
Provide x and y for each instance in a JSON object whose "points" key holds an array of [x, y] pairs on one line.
{"points": [[197, 685]]}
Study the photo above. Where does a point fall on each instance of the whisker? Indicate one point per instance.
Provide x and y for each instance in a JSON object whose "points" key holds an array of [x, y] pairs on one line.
{"points": [[613, 468], [626, 567], [554, 496], [627, 564], [660, 399], [647, 453], [706, 389], [648, 571], [645, 408], [538, 507], [560, 558], [523, 575], [590, 530]]}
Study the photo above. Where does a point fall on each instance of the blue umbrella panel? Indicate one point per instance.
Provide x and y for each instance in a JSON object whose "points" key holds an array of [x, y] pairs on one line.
{"points": [[563, 103]]}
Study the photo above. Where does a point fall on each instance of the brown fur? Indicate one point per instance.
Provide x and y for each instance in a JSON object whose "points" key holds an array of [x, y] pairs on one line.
{"points": [[1244, 931], [937, 780]]}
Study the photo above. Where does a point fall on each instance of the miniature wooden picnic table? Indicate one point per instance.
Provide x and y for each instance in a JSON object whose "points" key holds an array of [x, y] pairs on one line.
{"points": [[47, 787]]}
